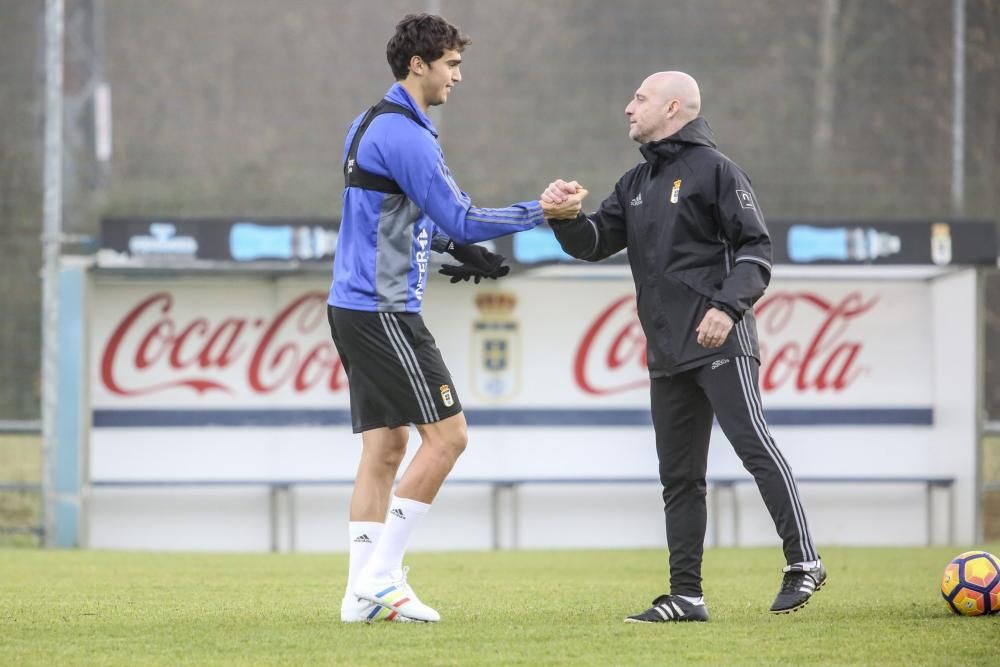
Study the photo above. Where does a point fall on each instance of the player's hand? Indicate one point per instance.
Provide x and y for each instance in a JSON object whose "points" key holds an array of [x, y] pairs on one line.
{"points": [[477, 263], [476, 256], [714, 328], [558, 191], [570, 206], [467, 271]]}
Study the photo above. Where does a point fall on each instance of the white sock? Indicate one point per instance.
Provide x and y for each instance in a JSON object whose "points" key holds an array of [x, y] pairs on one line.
{"points": [[364, 535], [403, 517], [807, 564], [698, 600]]}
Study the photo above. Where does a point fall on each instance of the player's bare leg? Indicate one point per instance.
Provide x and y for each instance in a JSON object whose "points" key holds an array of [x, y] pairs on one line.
{"points": [[383, 580], [381, 454], [441, 444]]}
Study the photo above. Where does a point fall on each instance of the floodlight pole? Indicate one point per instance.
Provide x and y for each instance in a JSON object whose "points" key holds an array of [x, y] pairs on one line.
{"points": [[958, 109], [51, 243]]}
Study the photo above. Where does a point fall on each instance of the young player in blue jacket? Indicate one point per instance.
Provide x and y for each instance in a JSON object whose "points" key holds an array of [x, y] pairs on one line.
{"points": [[400, 202]]}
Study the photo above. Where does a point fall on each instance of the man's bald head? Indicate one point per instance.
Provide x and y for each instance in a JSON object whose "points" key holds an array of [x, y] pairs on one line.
{"points": [[663, 104], [678, 86]]}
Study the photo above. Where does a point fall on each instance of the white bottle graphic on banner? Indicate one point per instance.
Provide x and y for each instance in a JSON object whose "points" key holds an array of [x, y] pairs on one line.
{"points": [[941, 243], [808, 243]]}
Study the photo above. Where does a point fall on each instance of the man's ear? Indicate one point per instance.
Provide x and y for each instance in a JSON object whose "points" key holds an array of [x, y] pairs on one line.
{"points": [[417, 65], [672, 108]]}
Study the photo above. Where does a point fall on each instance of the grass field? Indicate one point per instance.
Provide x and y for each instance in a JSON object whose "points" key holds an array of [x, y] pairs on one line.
{"points": [[881, 606]]}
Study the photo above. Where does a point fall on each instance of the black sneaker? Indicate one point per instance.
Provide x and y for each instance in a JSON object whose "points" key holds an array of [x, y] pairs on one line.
{"points": [[671, 608], [797, 587]]}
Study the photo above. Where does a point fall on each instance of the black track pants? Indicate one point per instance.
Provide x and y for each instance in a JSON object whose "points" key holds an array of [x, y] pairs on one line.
{"points": [[683, 406]]}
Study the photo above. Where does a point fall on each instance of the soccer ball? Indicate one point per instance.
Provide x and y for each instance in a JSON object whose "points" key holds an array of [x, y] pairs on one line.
{"points": [[971, 584]]}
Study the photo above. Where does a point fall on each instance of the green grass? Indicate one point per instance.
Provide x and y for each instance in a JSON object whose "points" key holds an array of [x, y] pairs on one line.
{"points": [[881, 606]]}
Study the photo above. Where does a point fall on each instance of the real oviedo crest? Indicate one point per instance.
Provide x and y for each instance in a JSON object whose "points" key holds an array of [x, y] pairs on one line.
{"points": [[496, 347]]}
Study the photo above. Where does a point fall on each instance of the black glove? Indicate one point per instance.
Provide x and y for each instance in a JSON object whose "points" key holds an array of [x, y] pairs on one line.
{"points": [[477, 263], [466, 271], [475, 256]]}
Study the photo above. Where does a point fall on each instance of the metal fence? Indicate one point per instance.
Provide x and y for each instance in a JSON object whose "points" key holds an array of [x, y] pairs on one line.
{"points": [[20, 488]]}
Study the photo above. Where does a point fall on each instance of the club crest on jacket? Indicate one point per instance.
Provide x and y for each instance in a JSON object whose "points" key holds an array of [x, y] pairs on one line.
{"points": [[675, 193]]}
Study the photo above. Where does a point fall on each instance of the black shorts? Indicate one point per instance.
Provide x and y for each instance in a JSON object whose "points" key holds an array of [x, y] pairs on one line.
{"points": [[394, 369]]}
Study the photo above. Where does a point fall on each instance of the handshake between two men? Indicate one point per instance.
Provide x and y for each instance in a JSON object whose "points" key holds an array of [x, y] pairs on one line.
{"points": [[559, 201]]}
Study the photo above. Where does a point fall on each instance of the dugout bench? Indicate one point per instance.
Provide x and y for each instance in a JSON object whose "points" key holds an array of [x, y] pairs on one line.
{"points": [[282, 497]]}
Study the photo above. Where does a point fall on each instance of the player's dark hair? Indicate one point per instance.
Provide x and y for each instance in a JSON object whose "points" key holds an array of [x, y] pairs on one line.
{"points": [[424, 35]]}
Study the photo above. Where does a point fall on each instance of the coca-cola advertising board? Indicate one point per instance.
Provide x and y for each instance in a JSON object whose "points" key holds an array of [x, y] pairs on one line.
{"points": [[236, 378], [190, 346]]}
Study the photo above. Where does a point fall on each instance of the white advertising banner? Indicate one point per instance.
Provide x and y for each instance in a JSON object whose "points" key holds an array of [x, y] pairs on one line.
{"points": [[220, 345], [236, 378]]}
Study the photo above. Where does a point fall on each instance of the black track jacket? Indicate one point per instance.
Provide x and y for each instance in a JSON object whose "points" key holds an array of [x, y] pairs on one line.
{"points": [[695, 237]]}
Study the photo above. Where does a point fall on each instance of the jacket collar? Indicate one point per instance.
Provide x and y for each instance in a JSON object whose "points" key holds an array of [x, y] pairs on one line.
{"points": [[399, 95], [664, 151]]}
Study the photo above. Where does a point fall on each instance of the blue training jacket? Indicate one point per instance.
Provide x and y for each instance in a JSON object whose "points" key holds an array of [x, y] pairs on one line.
{"points": [[385, 239]]}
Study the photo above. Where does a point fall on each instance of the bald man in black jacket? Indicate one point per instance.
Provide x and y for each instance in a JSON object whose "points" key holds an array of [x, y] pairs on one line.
{"points": [[701, 257]]}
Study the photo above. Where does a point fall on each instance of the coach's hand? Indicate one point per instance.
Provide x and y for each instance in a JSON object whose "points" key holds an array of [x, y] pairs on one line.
{"points": [[714, 328], [562, 200], [559, 191]]}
